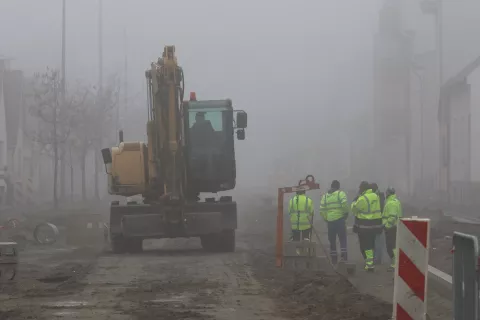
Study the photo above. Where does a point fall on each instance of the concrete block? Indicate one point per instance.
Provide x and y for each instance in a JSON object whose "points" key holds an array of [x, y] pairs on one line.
{"points": [[8, 253], [8, 272]]}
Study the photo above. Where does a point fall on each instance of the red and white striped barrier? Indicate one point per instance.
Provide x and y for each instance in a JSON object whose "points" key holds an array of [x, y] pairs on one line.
{"points": [[411, 272]]}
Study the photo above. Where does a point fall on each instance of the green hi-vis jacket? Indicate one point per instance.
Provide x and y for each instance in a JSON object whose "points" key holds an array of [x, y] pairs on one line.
{"points": [[333, 205], [367, 211], [301, 212], [392, 212]]}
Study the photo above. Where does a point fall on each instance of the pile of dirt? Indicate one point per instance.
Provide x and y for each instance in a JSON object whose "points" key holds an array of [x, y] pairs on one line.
{"points": [[322, 296], [316, 295]]}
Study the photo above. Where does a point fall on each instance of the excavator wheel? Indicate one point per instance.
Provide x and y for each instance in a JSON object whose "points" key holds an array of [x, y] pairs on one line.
{"points": [[121, 244], [221, 242], [118, 244], [227, 241], [134, 245], [208, 242]]}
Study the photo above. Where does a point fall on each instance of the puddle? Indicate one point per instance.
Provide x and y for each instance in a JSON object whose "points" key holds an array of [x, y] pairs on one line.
{"points": [[54, 279], [67, 304], [175, 299], [64, 314]]}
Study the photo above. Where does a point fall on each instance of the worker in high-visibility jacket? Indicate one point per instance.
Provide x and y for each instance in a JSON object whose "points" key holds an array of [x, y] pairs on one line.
{"points": [[334, 210], [301, 212], [391, 215], [368, 222]]}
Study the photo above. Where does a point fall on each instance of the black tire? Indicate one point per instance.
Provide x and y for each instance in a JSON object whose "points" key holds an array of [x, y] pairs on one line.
{"points": [[208, 242], [118, 244], [221, 242], [227, 241], [134, 245]]}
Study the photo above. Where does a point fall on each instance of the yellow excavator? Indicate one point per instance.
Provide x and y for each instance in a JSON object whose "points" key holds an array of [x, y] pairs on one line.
{"points": [[190, 151]]}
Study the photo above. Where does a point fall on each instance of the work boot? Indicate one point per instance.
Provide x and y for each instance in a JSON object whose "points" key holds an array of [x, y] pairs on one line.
{"points": [[369, 268], [369, 265], [392, 263]]}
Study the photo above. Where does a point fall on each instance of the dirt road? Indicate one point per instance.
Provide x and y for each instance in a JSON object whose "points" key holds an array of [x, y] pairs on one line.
{"points": [[176, 279], [171, 280]]}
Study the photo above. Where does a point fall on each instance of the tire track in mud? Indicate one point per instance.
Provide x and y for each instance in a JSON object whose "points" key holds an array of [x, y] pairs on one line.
{"points": [[176, 280], [206, 286]]}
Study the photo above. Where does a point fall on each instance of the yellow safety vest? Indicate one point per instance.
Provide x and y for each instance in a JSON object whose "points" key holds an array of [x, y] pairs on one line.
{"points": [[301, 212]]}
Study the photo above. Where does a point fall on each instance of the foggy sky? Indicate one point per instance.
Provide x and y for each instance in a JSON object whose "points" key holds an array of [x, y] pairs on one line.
{"points": [[284, 62]]}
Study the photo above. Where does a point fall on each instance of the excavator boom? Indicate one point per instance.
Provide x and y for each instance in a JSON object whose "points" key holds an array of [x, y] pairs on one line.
{"points": [[165, 131]]}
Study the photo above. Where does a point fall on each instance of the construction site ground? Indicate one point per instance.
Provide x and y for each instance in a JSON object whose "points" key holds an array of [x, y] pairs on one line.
{"points": [[176, 279]]}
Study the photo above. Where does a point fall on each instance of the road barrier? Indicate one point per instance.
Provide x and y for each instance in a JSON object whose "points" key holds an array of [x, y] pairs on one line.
{"points": [[411, 272], [465, 276], [8, 261]]}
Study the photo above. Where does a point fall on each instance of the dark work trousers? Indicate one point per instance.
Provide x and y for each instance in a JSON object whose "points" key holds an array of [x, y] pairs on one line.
{"points": [[379, 247], [298, 235], [390, 240], [337, 228], [366, 238]]}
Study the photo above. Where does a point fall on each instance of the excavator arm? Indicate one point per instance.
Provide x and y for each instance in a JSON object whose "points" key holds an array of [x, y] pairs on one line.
{"points": [[166, 163]]}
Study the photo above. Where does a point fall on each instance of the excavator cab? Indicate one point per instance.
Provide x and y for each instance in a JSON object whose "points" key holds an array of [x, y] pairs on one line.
{"points": [[209, 143]]}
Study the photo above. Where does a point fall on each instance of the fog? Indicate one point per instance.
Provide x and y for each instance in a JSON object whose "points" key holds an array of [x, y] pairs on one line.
{"points": [[304, 72]]}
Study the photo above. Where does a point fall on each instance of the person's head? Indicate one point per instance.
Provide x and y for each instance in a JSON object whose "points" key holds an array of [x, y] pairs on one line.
{"points": [[299, 192], [364, 186], [374, 187], [335, 185], [200, 116], [390, 191]]}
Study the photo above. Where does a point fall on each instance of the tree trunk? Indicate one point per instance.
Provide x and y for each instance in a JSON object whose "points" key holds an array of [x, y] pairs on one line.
{"points": [[82, 168], [71, 183], [55, 152], [71, 174], [55, 173], [63, 175], [96, 156]]}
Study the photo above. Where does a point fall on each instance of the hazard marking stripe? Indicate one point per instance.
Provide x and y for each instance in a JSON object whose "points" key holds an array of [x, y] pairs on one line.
{"points": [[409, 302], [413, 277], [419, 230], [402, 314], [412, 247]]}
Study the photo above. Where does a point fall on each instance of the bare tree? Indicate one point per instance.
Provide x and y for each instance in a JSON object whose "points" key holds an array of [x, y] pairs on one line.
{"points": [[56, 119], [94, 125], [106, 121]]}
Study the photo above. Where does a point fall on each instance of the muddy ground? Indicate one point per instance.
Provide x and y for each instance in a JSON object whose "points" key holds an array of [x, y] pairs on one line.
{"points": [[176, 279]]}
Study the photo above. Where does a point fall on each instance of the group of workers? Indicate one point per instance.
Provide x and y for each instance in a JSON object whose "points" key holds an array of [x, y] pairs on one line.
{"points": [[375, 214]]}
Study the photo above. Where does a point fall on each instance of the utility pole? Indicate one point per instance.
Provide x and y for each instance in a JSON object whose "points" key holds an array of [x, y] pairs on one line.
{"points": [[125, 83], [62, 95], [100, 92], [100, 49], [435, 8]]}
